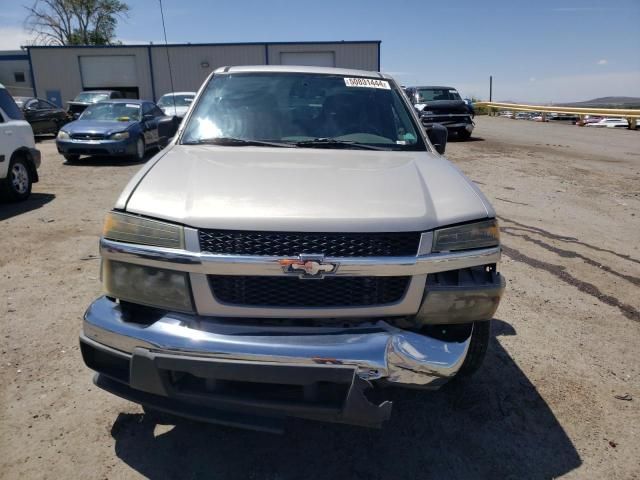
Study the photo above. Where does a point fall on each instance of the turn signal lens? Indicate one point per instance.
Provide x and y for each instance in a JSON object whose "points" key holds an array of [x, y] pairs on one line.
{"points": [[464, 237], [123, 227]]}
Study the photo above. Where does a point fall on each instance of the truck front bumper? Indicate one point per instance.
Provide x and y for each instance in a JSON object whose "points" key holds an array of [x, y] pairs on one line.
{"points": [[178, 362]]}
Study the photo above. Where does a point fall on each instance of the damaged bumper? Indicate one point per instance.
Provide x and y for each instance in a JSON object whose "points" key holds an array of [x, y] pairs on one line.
{"points": [[229, 373]]}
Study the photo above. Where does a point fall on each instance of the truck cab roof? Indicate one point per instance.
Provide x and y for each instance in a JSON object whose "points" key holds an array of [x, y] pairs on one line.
{"points": [[302, 69]]}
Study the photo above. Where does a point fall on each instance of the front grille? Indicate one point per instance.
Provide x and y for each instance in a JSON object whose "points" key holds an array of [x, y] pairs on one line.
{"points": [[295, 292], [444, 119], [291, 244], [87, 136]]}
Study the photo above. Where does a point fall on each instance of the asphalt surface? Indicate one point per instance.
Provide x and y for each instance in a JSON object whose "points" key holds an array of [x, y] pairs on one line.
{"points": [[557, 396]]}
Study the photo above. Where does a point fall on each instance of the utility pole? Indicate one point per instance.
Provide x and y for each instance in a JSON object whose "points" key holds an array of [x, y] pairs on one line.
{"points": [[490, 88]]}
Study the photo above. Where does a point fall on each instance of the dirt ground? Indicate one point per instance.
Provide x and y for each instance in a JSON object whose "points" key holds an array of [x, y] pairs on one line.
{"points": [[549, 401]]}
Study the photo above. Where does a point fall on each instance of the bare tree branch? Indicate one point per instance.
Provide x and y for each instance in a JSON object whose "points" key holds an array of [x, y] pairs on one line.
{"points": [[75, 22]]}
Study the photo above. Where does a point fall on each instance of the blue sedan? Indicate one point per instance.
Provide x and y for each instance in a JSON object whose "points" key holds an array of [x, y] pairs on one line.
{"points": [[121, 127]]}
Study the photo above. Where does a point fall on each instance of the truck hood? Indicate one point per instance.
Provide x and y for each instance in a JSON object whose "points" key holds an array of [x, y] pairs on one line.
{"points": [[322, 190], [443, 106]]}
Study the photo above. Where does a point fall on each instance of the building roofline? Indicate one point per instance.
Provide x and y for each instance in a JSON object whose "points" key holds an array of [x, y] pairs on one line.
{"points": [[13, 56], [162, 45]]}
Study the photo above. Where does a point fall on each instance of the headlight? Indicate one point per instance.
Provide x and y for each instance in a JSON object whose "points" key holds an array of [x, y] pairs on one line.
{"points": [[133, 229], [155, 287], [62, 135], [464, 237], [119, 136]]}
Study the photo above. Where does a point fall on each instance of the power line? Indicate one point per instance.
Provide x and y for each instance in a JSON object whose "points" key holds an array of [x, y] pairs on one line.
{"points": [[166, 46]]}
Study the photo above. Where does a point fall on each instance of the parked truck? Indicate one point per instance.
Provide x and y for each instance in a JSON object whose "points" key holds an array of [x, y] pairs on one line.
{"points": [[445, 106], [300, 246]]}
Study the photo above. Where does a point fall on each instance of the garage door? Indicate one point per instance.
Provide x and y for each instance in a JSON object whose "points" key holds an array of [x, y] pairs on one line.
{"points": [[316, 59], [108, 71]]}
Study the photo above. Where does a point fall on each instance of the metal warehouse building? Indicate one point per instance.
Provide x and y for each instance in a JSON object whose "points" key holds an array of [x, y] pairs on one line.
{"points": [[14, 72], [142, 71]]}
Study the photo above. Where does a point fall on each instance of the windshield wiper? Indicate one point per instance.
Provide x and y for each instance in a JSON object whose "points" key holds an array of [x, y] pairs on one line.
{"points": [[232, 142], [333, 142]]}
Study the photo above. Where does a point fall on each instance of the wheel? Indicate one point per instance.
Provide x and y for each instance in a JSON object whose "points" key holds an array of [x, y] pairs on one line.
{"points": [[69, 157], [17, 185], [477, 348], [464, 134], [140, 150]]}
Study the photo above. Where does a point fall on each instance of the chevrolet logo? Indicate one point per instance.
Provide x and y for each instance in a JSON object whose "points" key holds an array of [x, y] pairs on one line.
{"points": [[308, 266]]}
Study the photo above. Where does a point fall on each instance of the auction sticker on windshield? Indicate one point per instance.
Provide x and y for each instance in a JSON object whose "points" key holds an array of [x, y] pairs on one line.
{"points": [[367, 83]]}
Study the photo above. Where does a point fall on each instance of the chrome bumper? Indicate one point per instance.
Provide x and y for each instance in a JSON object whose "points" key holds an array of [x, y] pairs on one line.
{"points": [[376, 350]]}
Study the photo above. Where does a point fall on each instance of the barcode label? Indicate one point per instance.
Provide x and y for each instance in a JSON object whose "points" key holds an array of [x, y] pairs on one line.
{"points": [[367, 83]]}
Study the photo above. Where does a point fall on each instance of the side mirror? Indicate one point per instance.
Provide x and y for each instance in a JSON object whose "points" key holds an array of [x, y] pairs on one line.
{"points": [[167, 128], [438, 135]]}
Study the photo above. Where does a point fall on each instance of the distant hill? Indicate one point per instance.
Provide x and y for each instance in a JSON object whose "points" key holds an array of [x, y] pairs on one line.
{"points": [[608, 102]]}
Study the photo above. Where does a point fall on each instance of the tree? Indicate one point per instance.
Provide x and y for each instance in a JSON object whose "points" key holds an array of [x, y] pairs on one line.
{"points": [[75, 22]]}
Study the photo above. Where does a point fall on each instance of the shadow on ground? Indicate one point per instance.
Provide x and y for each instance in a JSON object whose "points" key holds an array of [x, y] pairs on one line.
{"points": [[105, 161], [495, 425], [35, 201], [456, 139]]}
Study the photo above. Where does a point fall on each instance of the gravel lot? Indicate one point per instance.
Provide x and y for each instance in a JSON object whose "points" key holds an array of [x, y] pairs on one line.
{"points": [[566, 337]]}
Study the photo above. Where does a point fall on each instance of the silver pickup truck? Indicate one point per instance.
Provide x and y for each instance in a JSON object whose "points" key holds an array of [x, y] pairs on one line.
{"points": [[298, 246]]}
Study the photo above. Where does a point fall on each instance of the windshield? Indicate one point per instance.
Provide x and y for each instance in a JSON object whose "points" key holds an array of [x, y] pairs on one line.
{"points": [[300, 109], [433, 94], [115, 112], [20, 101], [91, 97], [181, 100]]}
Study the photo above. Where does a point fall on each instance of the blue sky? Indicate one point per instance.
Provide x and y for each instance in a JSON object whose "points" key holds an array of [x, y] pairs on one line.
{"points": [[542, 50]]}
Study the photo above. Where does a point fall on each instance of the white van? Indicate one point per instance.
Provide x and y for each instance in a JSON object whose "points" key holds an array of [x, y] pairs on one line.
{"points": [[19, 159]]}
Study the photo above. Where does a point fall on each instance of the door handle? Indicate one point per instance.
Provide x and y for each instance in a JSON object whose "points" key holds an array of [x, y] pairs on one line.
{"points": [[9, 132]]}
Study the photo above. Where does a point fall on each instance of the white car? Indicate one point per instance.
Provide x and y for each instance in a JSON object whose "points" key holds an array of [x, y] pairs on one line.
{"points": [[176, 104], [19, 159], [610, 123]]}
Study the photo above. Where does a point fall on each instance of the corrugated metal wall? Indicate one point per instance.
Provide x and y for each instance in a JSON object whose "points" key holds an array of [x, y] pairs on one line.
{"points": [[362, 56], [187, 63], [10, 64], [58, 68]]}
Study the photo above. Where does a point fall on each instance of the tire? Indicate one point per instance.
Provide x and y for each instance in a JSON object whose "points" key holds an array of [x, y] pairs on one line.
{"points": [[477, 349], [17, 186], [140, 150], [69, 157], [464, 134]]}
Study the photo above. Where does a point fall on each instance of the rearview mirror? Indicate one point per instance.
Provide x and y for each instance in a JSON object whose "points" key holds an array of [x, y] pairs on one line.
{"points": [[438, 135], [167, 128]]}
